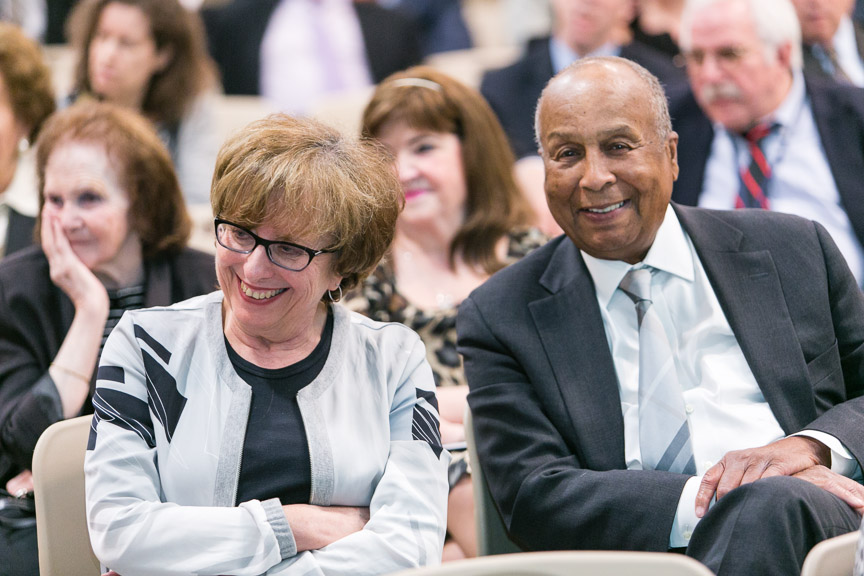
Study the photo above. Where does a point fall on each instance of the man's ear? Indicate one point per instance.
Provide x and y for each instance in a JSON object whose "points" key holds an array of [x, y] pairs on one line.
{"points": [[784, 55], [672, 151]]}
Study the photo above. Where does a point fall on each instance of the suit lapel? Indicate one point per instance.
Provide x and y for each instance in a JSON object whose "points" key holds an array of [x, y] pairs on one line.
{"points": [[748, 288], [571, 331]]}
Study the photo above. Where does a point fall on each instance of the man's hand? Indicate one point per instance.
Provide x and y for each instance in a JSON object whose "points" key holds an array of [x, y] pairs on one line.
{"points": [[317, 526], [786, 457], [844, 488]]}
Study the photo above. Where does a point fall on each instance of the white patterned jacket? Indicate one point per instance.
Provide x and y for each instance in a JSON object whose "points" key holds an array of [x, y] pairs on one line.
{"points": [[164, 454]]}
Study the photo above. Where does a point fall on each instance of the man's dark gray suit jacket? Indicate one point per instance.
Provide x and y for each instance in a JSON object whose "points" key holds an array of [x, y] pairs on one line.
{"points": [[544, 393]]}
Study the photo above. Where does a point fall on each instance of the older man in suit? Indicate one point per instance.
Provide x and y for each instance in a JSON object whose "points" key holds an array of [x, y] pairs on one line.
{"points": [[664, 377], [759, 133], [833, 42], [581, 28]]}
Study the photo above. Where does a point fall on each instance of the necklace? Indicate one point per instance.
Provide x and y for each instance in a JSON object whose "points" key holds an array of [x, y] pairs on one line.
{"points": [[443, 300]]}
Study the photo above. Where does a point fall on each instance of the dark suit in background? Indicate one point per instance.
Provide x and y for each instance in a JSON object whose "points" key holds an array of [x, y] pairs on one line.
{"points": [[513, 91], [235, 32], [19, 233]]}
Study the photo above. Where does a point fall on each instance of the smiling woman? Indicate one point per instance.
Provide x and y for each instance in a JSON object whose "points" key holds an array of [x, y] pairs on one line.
{"points": [[113, 229], [290, 435]]}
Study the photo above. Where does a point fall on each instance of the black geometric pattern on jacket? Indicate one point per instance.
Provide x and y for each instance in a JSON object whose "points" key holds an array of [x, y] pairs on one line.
{"points": [[119, 408], [164, 399], [160, 350], [425, 424]]}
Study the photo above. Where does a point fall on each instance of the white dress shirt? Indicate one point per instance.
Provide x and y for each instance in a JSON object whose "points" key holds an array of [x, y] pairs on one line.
{"points": [[801, 183], [562, 56], [846, 46], [725, 407], [295, 70]]}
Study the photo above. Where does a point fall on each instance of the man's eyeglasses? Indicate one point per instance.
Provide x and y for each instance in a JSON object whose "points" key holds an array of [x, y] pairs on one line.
{"points": [[286, 255], [726, 58]]}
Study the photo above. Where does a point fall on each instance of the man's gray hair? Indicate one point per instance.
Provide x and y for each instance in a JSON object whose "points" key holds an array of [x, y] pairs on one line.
{"points": [[655, 94], [776, 24]]}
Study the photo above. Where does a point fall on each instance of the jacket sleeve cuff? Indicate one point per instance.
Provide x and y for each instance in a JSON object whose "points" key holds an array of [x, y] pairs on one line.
{"points": [[685, 517], [842, 461], [281, 528]]}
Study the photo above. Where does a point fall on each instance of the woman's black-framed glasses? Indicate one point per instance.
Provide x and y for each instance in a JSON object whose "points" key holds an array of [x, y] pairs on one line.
{"points": [[286, 255]]}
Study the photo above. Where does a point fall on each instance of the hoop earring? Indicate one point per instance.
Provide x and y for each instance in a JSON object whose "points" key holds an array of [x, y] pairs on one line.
{"points": [[330, 295]]}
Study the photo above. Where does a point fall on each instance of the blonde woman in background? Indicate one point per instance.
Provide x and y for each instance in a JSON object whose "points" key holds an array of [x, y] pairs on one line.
{"points": [[26, 100]]}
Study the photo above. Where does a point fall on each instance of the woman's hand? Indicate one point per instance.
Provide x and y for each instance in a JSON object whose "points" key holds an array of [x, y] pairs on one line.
{"points": [[72, 367], [67, 271], [451, 408], [315, 527], [20, 484]]}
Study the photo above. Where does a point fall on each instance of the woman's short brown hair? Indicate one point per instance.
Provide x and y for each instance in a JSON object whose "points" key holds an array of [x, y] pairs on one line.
{"points": [[311, 179], [189, 72], [427, 99], [157, 212], [27, 78]]}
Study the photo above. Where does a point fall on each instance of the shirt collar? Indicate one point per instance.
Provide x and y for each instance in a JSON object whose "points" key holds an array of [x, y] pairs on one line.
{"points": [[787, 112], [670, 253], [844, 37], [562, 56]]}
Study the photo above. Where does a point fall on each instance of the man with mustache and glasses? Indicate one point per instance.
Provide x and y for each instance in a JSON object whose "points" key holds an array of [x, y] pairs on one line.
{"points": [[757, 132]]}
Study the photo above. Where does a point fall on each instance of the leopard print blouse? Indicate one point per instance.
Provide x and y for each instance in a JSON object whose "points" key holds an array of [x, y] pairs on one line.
{"points": [[379, 299]]}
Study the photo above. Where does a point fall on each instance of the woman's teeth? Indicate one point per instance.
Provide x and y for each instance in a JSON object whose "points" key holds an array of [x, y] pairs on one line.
{"points": [[259, 294], [607, 209]]}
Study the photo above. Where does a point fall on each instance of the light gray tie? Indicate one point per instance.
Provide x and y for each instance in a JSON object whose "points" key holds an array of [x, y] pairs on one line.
{"points": [[664, 436]]}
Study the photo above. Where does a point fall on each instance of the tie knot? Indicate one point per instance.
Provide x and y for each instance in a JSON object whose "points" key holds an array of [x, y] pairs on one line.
{"points": [[759, 132], [637, 285]]}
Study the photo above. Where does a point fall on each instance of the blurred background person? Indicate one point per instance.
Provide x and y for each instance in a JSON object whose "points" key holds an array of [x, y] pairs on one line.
{"points": [[113, 227], [294, 52], [833, 42], [756, 132], [41, 20], [580, 28], [656, 23], [324, 421], [26, 100], [150, 55], [440, 23], [464, 218]]}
